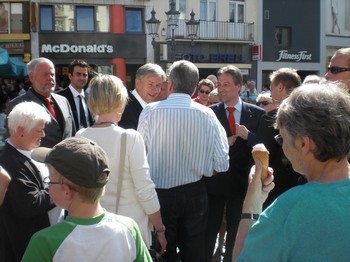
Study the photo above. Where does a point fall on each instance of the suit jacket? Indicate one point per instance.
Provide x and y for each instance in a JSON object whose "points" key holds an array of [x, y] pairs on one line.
{"points": [[235, 180], [25, 206], [68, 94], [285, 176], [130, 117], [53, 132]]}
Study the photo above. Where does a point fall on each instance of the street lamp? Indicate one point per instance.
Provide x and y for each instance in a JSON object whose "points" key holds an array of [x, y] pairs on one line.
{"points": [[172, 21], [192, 28], [153, 26]]}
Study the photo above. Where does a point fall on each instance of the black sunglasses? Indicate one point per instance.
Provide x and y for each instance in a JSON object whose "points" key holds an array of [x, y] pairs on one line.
{"points": [[264, 103], [206, 92], [337, 70], [279, 139]]}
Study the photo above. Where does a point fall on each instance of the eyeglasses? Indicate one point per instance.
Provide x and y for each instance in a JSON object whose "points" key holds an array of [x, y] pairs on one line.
{"points": [[47, 182], [337, 70], [206, 92], [279, 139], [264, 103]]}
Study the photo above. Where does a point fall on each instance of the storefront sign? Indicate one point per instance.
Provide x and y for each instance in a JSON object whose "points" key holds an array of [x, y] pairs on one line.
{"points": [[85, 49], [209, 58], [296, 57]]}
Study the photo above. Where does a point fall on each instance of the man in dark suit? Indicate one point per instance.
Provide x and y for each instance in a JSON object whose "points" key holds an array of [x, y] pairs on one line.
{"points": [[27, 202], [148, 83], [42, 76], [75, 94], [229, 188], [283, 82]]}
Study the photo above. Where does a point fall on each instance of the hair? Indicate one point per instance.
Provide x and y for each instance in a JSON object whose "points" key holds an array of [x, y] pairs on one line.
{"points": [[150, 69], [27, 115], [312, 79], [345, 52], [107, 93], [87, 195], [77, 62], [213, 78], [322, 112], [206, 82], [184, 75], [234, 72], [264, 97], [288, 77], [31, 66]]}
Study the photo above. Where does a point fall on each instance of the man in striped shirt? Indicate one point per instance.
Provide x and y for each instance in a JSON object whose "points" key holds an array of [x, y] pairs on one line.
{"points": [[185, 142]]}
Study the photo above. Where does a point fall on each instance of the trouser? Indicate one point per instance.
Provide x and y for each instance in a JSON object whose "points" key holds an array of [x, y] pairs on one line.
{"points": [[184, 212]]}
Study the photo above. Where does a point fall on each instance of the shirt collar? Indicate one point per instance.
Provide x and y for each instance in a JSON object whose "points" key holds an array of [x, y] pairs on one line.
{"points": [[75, 92], [237, 106], [139, 98]]}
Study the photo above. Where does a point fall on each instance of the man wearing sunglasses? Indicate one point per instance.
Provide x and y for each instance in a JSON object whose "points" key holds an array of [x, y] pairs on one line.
{"points": [[339, 67]]}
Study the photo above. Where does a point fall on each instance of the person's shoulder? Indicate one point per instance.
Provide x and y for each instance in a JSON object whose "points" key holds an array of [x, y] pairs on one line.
{"points": [[63, 92]]}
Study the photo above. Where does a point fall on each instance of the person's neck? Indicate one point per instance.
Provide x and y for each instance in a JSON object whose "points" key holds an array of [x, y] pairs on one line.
{"points": [[329, 171], [107, 119], [85, 210]]}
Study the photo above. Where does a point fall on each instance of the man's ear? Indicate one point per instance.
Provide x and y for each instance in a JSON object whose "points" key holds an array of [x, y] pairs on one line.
{"points": [[68, 191]]}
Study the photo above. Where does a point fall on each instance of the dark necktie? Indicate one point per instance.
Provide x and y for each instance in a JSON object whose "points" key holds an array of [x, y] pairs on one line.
{"points": [[82, 112], [50, 107], [231, 120]]}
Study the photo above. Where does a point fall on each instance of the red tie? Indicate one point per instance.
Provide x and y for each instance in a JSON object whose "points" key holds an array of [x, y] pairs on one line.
{"points": [[50, 107], [231, 120]]}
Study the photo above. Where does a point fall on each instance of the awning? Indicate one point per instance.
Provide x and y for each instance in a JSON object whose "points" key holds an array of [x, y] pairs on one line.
{"points": [[11, 67]]}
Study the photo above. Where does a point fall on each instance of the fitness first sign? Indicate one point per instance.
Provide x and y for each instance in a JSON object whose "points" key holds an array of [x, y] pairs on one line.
{"points": [[301, 56]]}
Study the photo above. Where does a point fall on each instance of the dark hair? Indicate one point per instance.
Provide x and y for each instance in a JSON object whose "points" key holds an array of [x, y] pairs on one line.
{"points": [[77, 62], [233, 71]]}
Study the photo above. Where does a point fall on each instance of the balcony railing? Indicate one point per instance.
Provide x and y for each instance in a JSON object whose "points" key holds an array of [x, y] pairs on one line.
{"points": [[214, 30]]}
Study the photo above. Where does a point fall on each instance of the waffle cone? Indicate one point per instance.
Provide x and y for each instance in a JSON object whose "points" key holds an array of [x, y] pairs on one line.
{"points": [[263, 156]]}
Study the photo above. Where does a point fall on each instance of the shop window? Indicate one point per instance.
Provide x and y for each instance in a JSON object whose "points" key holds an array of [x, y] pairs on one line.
{"points": [[134, 21], [180, 5], [71, 18], [208, 10], [85, 19], [283, 37], [102, 18], [11, 18], [236, 11], [46, 18]]}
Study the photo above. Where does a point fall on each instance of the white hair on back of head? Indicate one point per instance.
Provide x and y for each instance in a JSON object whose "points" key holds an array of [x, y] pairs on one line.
{"points": [[27, 115]]}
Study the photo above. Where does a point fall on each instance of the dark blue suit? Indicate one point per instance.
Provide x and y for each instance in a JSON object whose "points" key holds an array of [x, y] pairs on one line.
{"points": [[229, 188], [131, 115]]}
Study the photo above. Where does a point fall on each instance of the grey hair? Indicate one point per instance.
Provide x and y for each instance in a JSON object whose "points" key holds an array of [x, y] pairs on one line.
{"points": [[322, 112], [150, 69], [27, 115], [184, 75], [31, 66]]}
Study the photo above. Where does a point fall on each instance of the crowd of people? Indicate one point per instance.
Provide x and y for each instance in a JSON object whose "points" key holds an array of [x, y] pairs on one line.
{"points": [[115, 174]]}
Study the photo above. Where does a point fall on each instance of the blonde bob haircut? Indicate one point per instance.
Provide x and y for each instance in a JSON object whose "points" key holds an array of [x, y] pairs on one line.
{"points": [[107, 93]]}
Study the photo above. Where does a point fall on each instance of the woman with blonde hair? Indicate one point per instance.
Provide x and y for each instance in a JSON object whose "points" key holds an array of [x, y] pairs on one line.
{"points": [[138, 198]]}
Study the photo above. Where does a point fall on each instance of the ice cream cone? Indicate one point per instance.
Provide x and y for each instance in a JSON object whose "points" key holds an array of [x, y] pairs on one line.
{"points": [[260, 153]]}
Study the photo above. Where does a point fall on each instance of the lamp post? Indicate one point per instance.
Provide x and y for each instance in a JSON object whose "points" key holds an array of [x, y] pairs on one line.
{"points": [[172, 22]]}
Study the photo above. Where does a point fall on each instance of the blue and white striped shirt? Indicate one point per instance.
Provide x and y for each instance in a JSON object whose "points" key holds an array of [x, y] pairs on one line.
{"points": [[184, 141]]}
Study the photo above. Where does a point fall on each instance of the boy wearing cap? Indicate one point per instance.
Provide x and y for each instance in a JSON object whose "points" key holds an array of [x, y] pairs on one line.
{"points": [[78, 173]]}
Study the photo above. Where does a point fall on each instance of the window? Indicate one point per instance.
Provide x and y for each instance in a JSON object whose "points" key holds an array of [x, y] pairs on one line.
{"points": [[134, 21], [282, 37], [181, 6], [236, 11], [70, 18], [11, 18], [46, 18], [85, 18], [208, 10]]}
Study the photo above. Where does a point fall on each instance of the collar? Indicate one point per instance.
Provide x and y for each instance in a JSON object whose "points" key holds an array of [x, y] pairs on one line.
{"points": [[75, 92], [23, 152], [139, 98], [237, 106]]}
